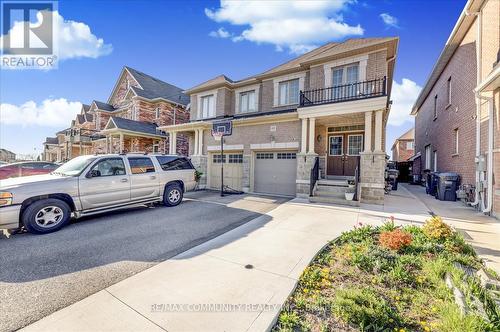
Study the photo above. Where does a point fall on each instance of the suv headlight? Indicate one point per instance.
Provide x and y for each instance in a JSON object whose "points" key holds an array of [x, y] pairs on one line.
{"points": [[6, 198]]}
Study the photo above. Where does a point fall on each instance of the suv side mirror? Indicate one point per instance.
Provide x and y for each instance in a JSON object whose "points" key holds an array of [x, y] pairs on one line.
{"points": [[94, 173]]}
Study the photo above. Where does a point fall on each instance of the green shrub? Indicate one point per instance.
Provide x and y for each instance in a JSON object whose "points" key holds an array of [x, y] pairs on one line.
{"points": [[360, 233], [389, 225], [364, 308], [288, 320], [436, 228]]}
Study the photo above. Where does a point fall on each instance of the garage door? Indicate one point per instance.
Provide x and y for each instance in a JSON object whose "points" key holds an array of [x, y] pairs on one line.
{"points": [[233, 170], [275, 173]]}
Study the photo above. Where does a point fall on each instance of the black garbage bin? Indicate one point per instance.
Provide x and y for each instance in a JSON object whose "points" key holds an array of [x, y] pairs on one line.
{"points": [[431, 183], [447, 186]]}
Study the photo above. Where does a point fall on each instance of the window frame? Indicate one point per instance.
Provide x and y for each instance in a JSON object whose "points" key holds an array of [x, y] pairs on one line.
{"points": [[428, 155], [456, 135], [247, 94], [349, 144], [104, 159], [448, 90], [288, 100], [157, 113], [341, 145], [174, 158], [434, 160], [435, 107], [136, 158], [210, 112]]}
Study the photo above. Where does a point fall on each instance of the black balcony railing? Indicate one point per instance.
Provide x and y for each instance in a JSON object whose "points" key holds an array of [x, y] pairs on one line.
{"points": [[346, 92]]}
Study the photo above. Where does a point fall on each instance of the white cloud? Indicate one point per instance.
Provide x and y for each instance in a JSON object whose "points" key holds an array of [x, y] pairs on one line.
{"points": [[220, 33], [50, 113], [389, 20], [296, 25], [403, 97], [73, 39]]}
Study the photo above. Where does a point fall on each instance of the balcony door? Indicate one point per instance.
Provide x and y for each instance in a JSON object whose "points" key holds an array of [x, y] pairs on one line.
{"points": [[343, 79], [343, 153]]}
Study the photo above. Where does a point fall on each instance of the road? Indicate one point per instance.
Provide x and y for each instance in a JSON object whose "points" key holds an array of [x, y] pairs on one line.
{"points": [[40, 274]]}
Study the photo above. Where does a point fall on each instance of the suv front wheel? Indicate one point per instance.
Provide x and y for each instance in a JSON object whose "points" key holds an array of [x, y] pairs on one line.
{"points": [[46, 215], [173, 195]]}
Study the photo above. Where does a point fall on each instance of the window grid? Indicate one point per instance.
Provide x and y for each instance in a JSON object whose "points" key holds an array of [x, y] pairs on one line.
{"points": [[286, 155], [235, 158], [355, 144], [265, 155], [207, 107], [217, 158]]}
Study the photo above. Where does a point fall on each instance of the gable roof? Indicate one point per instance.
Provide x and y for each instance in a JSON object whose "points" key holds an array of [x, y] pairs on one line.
{"points": [[85, 108], [135, 126], [322, 53], [80, 118], [152, 88], [410, 134], [104, 106], [463, 24], [51, 140]]}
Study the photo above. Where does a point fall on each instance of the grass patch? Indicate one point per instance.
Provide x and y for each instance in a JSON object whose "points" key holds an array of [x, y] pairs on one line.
{"points": [[391, 278]]}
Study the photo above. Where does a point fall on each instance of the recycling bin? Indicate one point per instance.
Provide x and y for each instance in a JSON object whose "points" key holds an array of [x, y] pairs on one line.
{"points": [[447, 186], [431, 183]]}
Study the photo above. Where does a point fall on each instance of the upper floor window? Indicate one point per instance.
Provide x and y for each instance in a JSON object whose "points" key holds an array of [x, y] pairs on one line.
{"points": [[289, 92], [455, 141], [247, 101], [409, 145], [207, 107], [345, 75], [157, 113], [435, 106], [448, 90]]}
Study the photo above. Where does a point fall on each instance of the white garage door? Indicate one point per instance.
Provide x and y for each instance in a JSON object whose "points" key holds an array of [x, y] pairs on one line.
{"points": [[275, 172], [233, 170]]}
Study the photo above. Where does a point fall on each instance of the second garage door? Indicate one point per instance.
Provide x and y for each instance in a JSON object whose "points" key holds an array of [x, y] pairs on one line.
{"points": [[275, 173], [233, 170]]}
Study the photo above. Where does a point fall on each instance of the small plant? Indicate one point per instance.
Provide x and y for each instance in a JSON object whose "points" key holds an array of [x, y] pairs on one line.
{"points": [[436, 228], [197, 175], [395, 240], [389, 225], [360, 233], [288, 320]]}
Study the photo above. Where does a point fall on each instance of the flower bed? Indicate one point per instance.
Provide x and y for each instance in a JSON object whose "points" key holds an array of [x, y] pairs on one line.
{"points": [[392, 278]]}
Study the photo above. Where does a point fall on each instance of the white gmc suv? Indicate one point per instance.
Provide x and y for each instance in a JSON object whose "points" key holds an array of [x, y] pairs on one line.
{"points": [[93, 184]]}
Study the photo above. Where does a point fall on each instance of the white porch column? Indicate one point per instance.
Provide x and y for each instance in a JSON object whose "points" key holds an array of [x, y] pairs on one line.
{"points": [[368, 131], [196, 139], [200, 143], [378, 130], [312, 124], [303, 142], [174, 142], [121, 143], [170, 139]]}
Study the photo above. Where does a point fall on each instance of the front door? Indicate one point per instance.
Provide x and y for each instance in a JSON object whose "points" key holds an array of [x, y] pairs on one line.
{"points": [[343, 154]]}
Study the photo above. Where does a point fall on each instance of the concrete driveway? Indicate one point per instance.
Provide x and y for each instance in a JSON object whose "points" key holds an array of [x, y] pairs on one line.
{"points": [[41, 274]]}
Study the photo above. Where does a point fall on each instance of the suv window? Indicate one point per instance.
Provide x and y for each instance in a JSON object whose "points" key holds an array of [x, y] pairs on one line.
{"points": [[171, 163], [108, 167], [141, 165]]}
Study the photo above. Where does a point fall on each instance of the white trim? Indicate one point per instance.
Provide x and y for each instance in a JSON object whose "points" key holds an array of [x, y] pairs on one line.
{"points": [[349, 107], [342, 146], [211, 148], [276, 81], [248, 88], [361, 59], [198, 104], [273, 145]]}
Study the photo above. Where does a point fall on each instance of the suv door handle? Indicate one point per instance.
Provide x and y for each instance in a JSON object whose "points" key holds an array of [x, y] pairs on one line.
{"points": [[152, 177], [123, 180]]}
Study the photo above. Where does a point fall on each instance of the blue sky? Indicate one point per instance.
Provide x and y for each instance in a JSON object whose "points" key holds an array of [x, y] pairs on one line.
{"points": [[184, 44]]}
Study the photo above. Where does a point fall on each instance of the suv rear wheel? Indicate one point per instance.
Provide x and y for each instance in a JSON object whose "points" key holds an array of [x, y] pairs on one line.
{"points": [[46, 215], [173, 195]]}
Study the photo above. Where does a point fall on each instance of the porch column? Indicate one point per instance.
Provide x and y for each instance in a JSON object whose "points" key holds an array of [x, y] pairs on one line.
{"points": [[368, 131], [121, 143], [303, 142], [200, 143], [378, 130], [174, 142], [312, 124], [196, 139]]}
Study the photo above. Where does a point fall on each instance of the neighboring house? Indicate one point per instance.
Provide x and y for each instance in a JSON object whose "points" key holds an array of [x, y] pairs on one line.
{"points": [[403, 147], [456, 114], [129, 120], [328, 106], [7, 156], [51, 149]]}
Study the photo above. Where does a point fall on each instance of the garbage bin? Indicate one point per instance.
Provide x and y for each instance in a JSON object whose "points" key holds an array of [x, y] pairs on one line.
{"points": [[431, 183], [448, 186]]}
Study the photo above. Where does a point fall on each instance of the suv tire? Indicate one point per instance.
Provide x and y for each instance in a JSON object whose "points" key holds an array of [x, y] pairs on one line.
{"points": [[46, 216], [173, 195]]}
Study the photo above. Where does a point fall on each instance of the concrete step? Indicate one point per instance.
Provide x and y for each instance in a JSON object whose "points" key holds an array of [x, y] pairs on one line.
{"points": [[331, 189], [340, 183], [332, 200]]}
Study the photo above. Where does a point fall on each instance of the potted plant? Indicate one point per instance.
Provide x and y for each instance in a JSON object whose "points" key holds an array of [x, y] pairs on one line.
{"points": [[197, 177], [351, 183], [349, 194]]}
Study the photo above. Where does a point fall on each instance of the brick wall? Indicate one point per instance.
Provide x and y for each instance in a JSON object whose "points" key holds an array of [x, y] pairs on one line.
{"points": [[400, 152], [439, 132], [118, 99]]}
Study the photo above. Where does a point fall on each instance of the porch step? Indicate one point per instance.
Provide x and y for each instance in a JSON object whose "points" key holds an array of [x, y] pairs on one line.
{"points": [[324, 182], [330, 191], [332, 200]]}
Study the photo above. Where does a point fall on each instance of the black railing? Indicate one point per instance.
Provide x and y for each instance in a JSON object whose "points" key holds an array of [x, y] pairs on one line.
{"points": [[357, 175], [346, 92], [314, 176]]}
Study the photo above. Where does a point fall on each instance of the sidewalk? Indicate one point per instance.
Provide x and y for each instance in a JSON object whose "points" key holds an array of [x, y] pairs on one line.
{"points": [[254, 265]]}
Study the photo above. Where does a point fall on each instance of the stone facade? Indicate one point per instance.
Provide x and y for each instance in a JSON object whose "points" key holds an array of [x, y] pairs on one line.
{"points": [[372, 177]]}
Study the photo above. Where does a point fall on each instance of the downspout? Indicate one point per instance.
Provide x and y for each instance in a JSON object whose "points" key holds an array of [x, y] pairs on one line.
{"points": [[478, 106], [488, 207]]}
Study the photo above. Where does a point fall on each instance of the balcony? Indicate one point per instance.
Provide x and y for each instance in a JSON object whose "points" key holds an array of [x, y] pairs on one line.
{"points": [[342, 93]]}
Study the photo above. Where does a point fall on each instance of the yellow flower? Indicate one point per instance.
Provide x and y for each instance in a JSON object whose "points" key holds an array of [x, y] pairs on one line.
{"points": [[434, 309], [391, 320], [397, 298], [427, 328], [402, 330]]}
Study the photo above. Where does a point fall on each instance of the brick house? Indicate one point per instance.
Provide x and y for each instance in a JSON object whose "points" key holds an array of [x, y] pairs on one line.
{"points": [[456, 113], [128, 121], [325, 110], [7, 156], [403, 147]]}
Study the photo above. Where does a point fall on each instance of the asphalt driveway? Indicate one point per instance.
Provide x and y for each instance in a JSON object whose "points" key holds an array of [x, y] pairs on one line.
{"points": [[42, 274]]}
